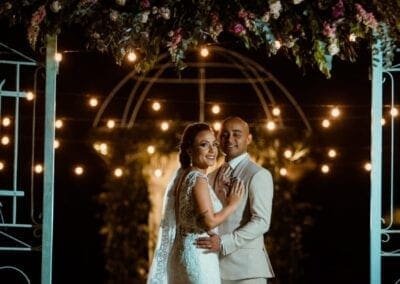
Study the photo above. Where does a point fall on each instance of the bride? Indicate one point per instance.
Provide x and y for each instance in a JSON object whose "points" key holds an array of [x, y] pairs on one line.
{"points": [[191, 210]]}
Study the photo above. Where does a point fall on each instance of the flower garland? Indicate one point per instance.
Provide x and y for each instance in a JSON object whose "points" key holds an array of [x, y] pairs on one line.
{"points": [[311, 32]]}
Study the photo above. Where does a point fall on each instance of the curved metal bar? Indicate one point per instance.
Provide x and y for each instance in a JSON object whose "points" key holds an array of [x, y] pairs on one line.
{"points": [[142, 97], [19, 53], [18, 270], [133, 93]]}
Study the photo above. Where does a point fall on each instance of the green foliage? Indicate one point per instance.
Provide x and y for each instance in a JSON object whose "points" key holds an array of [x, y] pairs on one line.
{"points": [[149, 27]]}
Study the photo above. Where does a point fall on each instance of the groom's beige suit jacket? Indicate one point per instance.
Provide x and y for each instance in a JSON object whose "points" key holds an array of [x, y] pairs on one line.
{"points": [[243, 254]]}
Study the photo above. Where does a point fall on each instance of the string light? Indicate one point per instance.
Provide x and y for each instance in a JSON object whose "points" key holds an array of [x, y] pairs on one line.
{"points": [[38, 168], [78, 170], [335, 112], [58, 57], [59, 123], [288, 154], [151, 149], [156, 106], [132, 57], [394, 112], [325, 169], [103, 147], [326, 123], [368, 166], [216, 109], [217, 126], [283, 172], [332, 153], [5, 140], [158, 173], [2, 166], [352, 37], [93, 102], [56, 144], [383, 121], [204, 52], [270, 125], [276, 111], [30, 96], [111, 123], [118, 172], [164, 126], [6, 121]]}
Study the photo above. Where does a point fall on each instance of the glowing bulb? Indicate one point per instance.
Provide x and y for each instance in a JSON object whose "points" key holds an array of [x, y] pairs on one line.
{"points": [[58, 57], [277, 44], [118, 172], [158, 173], [5, 140], [216, 109], [2, 166], [335, 112], [56, 144], [30, 96], [352, 37], [325, 169], [111, 123], [132, 56], [394, 112], [204, 52], [383, 121], [217, 126], [276, 111], [6, 121], [164, 126], [151, 149], [283, 172], [332, 153], [287, 154], [59, 123], [368, 166], [38, 168], [103, 148], [326, 123], [93, 102], [78, 170], [156, 106], [270, 125]]}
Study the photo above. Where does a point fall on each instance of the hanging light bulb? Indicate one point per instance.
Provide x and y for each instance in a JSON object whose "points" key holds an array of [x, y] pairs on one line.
{"points": [[132, 57], [288, 154], [5, 140], [158, 173], [156, 106], [93, 102], [325, 169], [204, 52], [2, 166], [58, 57], [335, 112], [394, 112], [164, 126], [352, 37], [111, 123], [118, 172], [59, 123], [56, 144], [217, 126], [283, 172], [38, 168], [383, 121], [6, 121], [270, 125], [368, 166], [215, 109], [30, 96], [276, 111], [151, 149], [332, 153], [326, 123], [78, 170]]}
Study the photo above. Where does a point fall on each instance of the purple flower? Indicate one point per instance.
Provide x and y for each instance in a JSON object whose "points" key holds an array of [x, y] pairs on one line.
{"points": [[237, 28], [338, 10]]}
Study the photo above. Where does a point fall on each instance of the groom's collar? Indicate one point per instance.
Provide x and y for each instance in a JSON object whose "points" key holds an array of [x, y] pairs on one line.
{"points": [[235, 161]]}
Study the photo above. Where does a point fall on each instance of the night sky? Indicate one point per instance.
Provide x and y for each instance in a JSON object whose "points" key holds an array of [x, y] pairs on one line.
{"points": [[338, 244]]}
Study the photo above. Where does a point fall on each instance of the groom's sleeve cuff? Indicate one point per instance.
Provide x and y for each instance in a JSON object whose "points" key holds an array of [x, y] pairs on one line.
{"points": [[227, 244]]}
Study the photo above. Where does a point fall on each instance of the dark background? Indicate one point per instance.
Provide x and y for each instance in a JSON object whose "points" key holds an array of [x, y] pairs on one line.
{"points": [[338, 244]]}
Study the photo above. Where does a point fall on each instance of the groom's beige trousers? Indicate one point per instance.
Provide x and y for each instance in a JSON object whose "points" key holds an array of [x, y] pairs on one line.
{"points": [[246, 281]]}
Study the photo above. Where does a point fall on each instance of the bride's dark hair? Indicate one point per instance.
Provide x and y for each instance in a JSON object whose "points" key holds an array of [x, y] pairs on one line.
{"points": [[187, 140]]}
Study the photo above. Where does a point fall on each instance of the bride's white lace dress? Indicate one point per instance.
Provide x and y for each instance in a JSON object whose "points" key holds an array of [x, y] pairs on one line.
{"points": [[186, 262]]}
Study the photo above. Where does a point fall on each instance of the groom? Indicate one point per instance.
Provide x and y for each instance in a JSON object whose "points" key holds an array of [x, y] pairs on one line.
{"points": [[243, 257]]}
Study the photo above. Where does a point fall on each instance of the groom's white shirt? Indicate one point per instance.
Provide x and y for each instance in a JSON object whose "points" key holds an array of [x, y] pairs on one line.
{"points": [[243, 254]]}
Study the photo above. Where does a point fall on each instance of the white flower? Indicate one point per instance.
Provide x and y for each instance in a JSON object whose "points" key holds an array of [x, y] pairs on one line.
{"points": [[144, 17], [295, 2], [276, 8], [165, 13], [55, 6], [333, 48]]}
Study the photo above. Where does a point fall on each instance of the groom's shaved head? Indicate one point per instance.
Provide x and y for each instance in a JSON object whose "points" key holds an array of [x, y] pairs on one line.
{"points": [[237, 119]]}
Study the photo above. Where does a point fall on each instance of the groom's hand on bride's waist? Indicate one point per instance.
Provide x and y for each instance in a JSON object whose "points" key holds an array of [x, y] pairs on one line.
{"points": [[211, 243]]}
